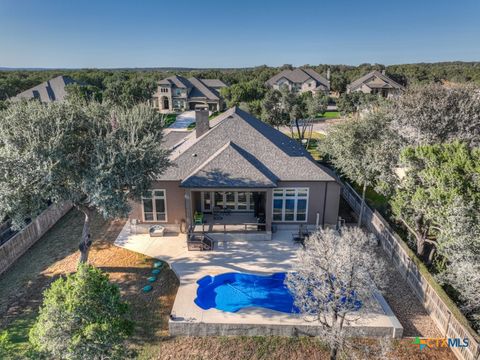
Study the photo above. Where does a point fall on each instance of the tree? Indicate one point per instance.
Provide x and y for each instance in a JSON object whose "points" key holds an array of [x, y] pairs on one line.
{"points": [[436, 113], [82, 317], [83, 93], [436, 176], [272, 110], [365, 150], [459, 244], [316, 105], [332, 280], [356, 101], [126, 91], [94, 156]]}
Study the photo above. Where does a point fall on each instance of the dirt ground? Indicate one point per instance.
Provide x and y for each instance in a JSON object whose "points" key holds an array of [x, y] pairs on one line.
{"points": [[56, 254]]}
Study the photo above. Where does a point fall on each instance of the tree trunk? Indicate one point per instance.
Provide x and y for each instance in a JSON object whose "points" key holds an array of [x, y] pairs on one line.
{"points": [[86, 241], [420, 236], [298, 130], [362, 206]]}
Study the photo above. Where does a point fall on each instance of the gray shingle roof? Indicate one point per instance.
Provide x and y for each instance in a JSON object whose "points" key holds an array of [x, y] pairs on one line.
{"points": [[274, 154], [178, 81], [48, 91], [300, 76], [374, 74], [200, 90], [214, 83], [230, 167]]}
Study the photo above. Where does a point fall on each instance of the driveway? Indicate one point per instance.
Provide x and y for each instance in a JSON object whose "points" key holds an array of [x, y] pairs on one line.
{"points": [[183, 120]]}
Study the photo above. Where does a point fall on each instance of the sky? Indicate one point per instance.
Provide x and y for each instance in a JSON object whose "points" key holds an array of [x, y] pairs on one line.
{"points": [[228, 33]]}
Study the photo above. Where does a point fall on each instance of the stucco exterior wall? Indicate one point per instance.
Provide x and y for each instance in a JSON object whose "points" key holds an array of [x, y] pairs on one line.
{"points": [[323, 199], [175, 203]]}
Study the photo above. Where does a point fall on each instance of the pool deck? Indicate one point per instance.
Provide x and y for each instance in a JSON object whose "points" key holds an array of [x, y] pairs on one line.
{"points": [[232, 255]]}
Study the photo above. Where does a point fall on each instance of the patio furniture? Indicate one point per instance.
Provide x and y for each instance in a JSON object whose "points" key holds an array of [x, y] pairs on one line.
{"points": [[198, 218], [200, 243], [156, 231]]}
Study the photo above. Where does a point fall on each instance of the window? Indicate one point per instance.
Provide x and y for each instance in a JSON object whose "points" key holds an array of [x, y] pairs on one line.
{"points": [[290, 204], [154, 206], [233, 200]]}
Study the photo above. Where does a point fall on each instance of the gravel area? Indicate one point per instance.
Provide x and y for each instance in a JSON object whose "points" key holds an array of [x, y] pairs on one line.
{"points": [[406, 306]]}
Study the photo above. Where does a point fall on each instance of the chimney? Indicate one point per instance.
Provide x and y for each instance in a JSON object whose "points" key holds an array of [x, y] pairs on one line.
{"points": [[383, 72], [201, 119], [328, 74]]}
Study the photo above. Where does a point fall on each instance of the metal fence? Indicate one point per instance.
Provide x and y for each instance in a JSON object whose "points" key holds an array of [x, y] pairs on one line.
{"points": [[395, 248]]}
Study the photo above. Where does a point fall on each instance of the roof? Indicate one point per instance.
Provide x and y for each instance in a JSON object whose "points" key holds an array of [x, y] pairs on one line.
{"points": [[245, 151], [214, 83], [178, 81], [299, 76], [172, 139], [200, 90], [389, 83], [48, 91], [229, 167]]}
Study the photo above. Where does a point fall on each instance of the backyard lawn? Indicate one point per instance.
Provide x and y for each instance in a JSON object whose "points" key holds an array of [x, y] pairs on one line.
{"points": [[331, 115], [56, 254]]}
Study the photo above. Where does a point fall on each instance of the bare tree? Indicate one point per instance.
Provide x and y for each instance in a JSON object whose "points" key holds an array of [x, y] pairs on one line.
{"points": [[332, 280]]}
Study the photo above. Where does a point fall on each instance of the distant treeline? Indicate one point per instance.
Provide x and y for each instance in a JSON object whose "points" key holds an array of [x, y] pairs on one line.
{"points": [[13, 82]]}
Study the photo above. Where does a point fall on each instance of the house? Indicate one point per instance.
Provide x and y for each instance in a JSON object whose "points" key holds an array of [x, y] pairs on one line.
{"points": [[48, 91], [300, 80], [376, 82], [237, 173], [177, 93]]}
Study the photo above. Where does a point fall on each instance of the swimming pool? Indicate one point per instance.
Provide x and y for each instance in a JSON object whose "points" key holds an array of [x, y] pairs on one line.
{"points": [[234, 291]]}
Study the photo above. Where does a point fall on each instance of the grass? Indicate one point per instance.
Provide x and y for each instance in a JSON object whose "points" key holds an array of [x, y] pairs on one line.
{"points": [[169, 120], [331, 115]]}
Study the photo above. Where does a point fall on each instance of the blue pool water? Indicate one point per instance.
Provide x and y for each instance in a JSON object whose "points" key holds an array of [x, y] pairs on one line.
{"points": [[234, 291]]}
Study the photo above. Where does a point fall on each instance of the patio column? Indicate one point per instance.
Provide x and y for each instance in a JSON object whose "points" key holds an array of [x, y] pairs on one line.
{"points": [[268, 211], [188, 207]]}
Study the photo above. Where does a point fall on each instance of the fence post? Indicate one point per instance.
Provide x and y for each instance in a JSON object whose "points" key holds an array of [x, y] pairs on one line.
{"points": [[448, 323]]}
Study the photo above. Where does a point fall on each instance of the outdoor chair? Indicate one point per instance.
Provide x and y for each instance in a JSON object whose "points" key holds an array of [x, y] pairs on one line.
{"points": [[198, 218]]}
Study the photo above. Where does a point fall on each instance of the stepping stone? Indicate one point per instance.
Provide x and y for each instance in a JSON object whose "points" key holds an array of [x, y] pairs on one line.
{"points": [[152, 278], [147, 288]]}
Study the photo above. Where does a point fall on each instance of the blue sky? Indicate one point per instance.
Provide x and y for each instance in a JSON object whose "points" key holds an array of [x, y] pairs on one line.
{"points": [[212, 33]]}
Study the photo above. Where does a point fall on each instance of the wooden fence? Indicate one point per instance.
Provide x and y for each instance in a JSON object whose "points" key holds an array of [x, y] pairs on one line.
{"points": [[24, 239], [450, 326]]}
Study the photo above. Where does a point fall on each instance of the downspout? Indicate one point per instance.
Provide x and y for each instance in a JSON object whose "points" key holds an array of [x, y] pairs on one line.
{"points": [[324, 205]]}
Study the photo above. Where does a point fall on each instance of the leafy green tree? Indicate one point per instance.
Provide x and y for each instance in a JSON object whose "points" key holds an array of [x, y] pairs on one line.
{"points": [[365, 151], [82, 317], [126, 91], [338, 82], [83, 93], [436, 176], [272, 111], [95, 156], [356, 101], [316, 105]]}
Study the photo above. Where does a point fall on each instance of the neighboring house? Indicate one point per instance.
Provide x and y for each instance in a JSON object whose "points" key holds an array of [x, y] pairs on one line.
{"points": [[376, 82], [177, 93], [300, 80], [239, 172], [48, 91]]}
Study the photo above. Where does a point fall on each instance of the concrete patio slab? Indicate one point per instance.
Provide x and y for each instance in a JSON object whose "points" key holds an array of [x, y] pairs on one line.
{"points": [[256, 257]]}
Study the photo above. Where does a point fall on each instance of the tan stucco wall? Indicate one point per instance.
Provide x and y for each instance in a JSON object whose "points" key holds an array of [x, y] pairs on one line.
{"points": [[175, 196], [319, 191]]}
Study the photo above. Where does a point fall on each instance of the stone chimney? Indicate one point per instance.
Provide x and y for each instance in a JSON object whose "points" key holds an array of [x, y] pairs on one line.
{"points": [[383, 72], [201, 119], [328, 74]]}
